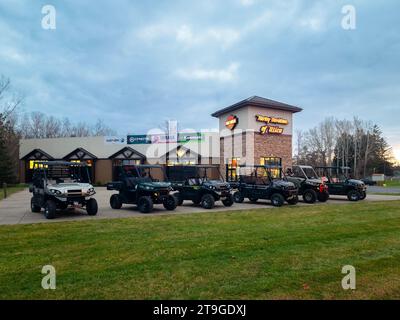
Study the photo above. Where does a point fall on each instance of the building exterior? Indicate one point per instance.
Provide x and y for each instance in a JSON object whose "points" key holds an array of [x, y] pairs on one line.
{"points": [[255, 131], [252, 131]]}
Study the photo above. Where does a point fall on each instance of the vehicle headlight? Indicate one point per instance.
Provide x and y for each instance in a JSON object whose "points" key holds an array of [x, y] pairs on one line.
{"points": [[90, 191], [55, 192]]}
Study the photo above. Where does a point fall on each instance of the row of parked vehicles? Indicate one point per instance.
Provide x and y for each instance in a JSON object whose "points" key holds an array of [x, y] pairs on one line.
{"points": [[57, 185]]}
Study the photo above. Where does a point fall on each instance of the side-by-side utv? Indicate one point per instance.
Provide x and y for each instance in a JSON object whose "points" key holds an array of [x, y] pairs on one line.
{"points": [[265, 182], [311, 187], [201, 184], [56, 185], [339, 183], [142, 185]]}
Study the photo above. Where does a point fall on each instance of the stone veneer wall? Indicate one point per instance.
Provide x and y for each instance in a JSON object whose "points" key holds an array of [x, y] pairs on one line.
{"points": [[274, 146], [254, 146]]}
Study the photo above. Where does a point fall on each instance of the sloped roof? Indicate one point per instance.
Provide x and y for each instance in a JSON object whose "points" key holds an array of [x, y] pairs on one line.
{"points": [[258, 102]]}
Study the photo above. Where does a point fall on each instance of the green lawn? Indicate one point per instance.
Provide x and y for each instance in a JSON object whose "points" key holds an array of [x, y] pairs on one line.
{"points": [[385, 193], [11, 190], [290, 252], [394, 183]]}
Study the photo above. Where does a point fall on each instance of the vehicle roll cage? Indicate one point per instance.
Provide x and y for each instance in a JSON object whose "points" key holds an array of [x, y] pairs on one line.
{"points": [[267, 169], [143, 174], [302, 167], [202, 166], [331, 170], [54, 168]]}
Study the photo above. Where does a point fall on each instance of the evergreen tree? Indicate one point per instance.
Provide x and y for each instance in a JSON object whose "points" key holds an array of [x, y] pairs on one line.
{"points": [[6, 164]]}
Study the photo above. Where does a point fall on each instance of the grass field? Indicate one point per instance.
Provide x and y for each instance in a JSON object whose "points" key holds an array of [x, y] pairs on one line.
{"points": [[385, 193], [291, 252], [394, 183], [11, 190]]}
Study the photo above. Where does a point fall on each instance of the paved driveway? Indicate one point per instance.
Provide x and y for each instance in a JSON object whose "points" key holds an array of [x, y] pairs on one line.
{"points": [[377, 189], [16, 208]]}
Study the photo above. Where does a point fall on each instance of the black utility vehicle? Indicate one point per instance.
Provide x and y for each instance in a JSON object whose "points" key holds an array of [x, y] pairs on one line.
{"points": [[369, 182], [265, 182], [143, 185], [201, 184], [59, 184], [339, 183], [311, 187]]}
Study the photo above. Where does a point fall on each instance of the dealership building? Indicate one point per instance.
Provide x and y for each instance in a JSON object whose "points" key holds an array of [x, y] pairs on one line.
{"points": [[253, 131]]}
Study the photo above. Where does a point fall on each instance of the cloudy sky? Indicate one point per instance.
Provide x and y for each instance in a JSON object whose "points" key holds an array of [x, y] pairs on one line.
{"points": [[135, 63]]}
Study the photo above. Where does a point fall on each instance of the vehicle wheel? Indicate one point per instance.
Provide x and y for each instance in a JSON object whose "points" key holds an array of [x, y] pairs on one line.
{"points": [[170, 202], [207, 201], [35, 207], [237, 197], [145, 204], [91, 207], [115, 201], [363, 195], [353, 195], [228, 202], [253, 199], [50, 209], [277, 200], [309, 196], [293, 201]]}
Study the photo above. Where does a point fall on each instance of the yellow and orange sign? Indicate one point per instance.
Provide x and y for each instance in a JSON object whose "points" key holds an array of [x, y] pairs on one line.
{"points": [[268, 128]]}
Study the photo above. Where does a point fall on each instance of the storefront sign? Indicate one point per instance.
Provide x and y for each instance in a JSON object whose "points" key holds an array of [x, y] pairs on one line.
{"points": [[273, 120], [138, 139], [163, 138], [231, 122], [271, 129], [114, 140]]}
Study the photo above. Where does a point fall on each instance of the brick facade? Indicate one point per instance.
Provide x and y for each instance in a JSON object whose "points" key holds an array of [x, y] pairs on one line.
{"points": [[273, 146], [250, 147]]}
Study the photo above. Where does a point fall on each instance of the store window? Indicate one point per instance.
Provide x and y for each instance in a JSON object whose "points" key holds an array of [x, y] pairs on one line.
{"points": [[32, 164], [171, 163], [272, 162], [126, 162], [232, 168]]}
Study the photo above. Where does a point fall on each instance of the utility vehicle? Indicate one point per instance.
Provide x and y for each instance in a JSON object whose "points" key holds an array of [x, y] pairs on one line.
{"points": [[311, 187], [59, 184], [202, 184], [339, 183], [142, 185], [265, 182]]}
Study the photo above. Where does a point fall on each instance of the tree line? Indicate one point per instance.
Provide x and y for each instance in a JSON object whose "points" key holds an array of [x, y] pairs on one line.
{"points": [[346, 143], [16, 125]]}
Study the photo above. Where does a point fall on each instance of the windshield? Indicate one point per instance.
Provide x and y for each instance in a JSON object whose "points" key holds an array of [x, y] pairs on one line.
{"points": [[310, 173], [153, 173], [210, 174], [255, 175], [67, 174]]}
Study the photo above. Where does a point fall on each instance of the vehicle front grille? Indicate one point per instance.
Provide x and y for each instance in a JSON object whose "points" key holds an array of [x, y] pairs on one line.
{"points": [[74, 193]]}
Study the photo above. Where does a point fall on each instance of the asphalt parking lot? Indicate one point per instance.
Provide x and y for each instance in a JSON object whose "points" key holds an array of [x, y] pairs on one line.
{"points": [[16, 208]]}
